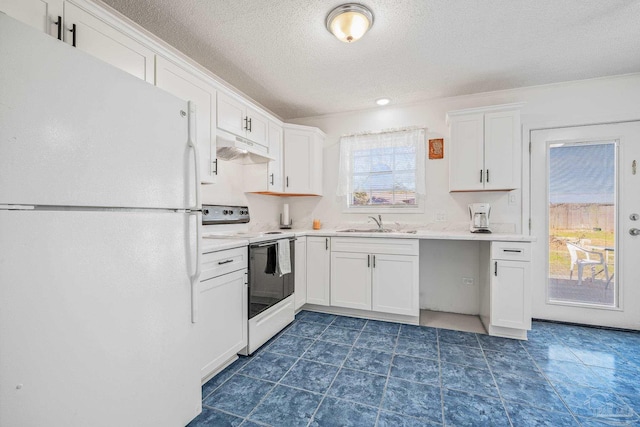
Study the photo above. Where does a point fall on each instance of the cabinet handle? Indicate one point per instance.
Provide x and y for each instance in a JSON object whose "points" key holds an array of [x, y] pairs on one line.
{"points": [[272, 178], [326, 243], [59, 24], [495, 268], [249, 125], [487, 175], [517, 251], [74, 31], [227, 261], [246, 122], [215, 163], [480, 175], [374, 261], [287, 182], [368, 260]]}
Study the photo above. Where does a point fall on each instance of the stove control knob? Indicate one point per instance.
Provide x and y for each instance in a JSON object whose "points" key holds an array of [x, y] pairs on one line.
{"points": [[230, 212], [205, 212], [224, 212]]}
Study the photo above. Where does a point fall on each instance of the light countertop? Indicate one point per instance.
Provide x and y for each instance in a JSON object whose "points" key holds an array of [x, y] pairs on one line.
{"points": [[422, 235]]}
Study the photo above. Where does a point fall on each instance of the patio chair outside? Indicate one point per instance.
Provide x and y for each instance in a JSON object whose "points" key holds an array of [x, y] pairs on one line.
{"points": [[581, 256]]}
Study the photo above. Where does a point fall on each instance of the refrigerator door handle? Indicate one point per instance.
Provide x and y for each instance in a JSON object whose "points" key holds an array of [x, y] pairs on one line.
{"points": [[196, 156], [195, 279]]}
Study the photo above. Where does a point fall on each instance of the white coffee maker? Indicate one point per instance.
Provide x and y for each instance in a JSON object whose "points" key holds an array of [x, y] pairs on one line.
{"points": [[479, 216]]}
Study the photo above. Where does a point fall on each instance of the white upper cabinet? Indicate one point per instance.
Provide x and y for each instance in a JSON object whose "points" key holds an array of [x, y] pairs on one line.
{"points": [[303, 160], [275, 167], [92, 35], [485, 148], [181, 83], [240, 119], [44, 15]]}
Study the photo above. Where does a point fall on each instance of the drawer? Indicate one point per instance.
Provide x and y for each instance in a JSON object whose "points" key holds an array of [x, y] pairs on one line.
{"points": [[222, 262], [517, 251], [375, 245]]}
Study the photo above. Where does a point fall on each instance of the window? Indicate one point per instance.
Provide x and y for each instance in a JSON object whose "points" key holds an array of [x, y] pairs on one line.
{"points": [[382, 170]]}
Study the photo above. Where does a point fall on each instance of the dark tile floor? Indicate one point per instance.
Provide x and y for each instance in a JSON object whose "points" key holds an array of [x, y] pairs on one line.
{"points": [[326, 370]]}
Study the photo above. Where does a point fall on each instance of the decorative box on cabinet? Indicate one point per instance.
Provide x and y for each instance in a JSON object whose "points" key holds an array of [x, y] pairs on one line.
{"points": [[185, 85], [375, 274], [485, 148], [318, 270]]}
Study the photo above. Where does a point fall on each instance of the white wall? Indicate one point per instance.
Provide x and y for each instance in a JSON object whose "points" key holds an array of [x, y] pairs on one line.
{"points": [[589, 101]]}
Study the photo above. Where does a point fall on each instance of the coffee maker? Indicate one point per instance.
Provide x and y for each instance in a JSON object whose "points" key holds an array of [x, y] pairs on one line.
{"points": [[479, 217]]}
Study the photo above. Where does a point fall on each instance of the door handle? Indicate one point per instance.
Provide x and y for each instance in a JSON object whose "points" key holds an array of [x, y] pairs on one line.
{"points": [[374, 261], [480, 175], [246, 123], [59, 24], [634, 231], [487, 175], [368, 260], [287, 182], [495, 268], [249, 125], [74, 31], [272, 178], [326, 243]]}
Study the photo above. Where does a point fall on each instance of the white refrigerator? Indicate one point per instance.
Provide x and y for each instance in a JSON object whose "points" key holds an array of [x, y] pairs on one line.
{"points": [[99, 252]]}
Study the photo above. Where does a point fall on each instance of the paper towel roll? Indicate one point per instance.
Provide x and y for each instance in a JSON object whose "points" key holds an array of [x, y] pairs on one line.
{"points": [[285, 214]]}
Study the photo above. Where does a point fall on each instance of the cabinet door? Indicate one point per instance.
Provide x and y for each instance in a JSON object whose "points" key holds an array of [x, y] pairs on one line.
{"points": [[511, 294], [395, 284], [466, 161], [318, 270], [274, 168], [105, 42], [501, 150], [298, 149], [231, 115], [222, 323], [351, 280], [300, 272], [40, 14], [258, 127], [185, 85]]}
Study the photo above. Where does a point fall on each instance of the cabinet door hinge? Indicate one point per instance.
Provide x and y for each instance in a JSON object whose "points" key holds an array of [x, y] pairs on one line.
{"points": [[529, 224]]}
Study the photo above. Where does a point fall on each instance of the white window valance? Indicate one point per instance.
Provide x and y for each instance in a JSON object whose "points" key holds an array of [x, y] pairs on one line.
{"points": [[384, 169]]}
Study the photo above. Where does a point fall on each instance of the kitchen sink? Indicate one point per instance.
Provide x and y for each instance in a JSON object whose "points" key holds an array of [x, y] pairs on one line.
{"points": [[374, 230]]}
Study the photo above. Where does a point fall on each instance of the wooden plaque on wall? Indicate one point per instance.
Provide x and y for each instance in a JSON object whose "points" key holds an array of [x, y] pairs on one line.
{"points": [[436, 148]]}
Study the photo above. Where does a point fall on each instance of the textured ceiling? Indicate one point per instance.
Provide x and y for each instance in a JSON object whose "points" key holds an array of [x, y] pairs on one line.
{"points": [[279, 52]]}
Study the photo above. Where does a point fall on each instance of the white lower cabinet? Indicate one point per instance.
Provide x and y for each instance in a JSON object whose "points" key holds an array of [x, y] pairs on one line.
{"points": [[223, 307], [506, 296], [318, 270], [300, 272], [375, 274], [511, 294], [395, 285], [351, 280]]}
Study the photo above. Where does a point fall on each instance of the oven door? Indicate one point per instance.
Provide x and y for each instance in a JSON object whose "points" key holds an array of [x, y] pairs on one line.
{"points": [[266, 287]]}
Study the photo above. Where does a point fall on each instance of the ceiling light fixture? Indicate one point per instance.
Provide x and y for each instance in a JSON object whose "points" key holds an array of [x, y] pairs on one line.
{"points": [[349, 22], [383, 101]]}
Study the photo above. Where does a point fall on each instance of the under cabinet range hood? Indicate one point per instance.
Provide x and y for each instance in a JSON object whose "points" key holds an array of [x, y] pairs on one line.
{"points": [[237, 148]]}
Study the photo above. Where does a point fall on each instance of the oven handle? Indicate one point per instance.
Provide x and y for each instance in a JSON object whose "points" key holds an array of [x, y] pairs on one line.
{"points": [[270, 243]]}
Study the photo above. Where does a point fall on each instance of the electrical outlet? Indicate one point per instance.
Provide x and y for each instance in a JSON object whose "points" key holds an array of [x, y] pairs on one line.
{"points": [[467, 281], [441, 216], [513, 198]]}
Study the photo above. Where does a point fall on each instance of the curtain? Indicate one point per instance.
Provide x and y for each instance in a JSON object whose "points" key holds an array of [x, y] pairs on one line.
{"points": [[383, 169]]}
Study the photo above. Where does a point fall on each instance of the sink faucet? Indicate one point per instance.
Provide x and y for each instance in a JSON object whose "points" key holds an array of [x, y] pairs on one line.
{"points": [[378, 222]]}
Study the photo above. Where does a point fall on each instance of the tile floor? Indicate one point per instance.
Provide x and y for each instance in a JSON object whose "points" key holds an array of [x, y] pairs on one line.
{"points": [[326, 370]]}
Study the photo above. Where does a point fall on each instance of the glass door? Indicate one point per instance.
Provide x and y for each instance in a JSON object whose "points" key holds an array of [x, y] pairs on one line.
{"points": [[583, 189]]}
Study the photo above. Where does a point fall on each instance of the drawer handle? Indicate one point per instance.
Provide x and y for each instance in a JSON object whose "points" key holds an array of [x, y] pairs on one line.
{"points": [[495, 269], [516, 251], [225, 261]]}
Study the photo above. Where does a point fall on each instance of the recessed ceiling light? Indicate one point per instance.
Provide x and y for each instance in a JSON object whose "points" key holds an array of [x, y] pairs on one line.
{"points": [[349, 22], [383, 101]]}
